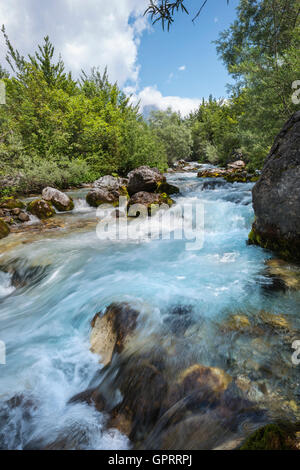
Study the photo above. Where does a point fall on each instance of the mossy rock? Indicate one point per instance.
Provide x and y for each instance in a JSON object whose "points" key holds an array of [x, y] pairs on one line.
{"points": [[4, 229], [273, 437], [11, 203], [41, 209], [236, 179], [164, 187], [287, 248], [62, 208], [165, 199], [124, 192]]}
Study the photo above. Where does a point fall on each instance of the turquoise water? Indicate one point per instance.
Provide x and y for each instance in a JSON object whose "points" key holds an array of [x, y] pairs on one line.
{"points": [[46, 323]]}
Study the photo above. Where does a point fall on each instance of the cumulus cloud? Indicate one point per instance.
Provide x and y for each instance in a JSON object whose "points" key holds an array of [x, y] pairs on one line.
{"points": [[87, 33], [151, 96], [182, 68]]}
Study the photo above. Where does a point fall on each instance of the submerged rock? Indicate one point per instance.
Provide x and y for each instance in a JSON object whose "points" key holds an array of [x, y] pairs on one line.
{"points": [[4, 229], [22, 273], [41, 209], [287, 274], [238, 322], [60, 201], [111, 331], [198, 376], [276, 196], [274, 321], [145, 179]]}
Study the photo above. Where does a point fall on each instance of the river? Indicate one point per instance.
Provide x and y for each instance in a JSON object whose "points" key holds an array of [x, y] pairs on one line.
{"points": [[70, 275]]}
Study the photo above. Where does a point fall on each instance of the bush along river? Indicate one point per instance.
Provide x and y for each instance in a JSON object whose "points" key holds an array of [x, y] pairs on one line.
{"points": [[143, 343]]}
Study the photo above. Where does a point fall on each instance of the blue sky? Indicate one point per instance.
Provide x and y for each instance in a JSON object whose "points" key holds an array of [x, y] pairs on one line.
{"points": [[190, 45], [144, 60]]}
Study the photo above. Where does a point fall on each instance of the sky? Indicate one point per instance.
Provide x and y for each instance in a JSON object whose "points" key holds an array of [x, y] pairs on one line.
{"points": [[161, 69]]}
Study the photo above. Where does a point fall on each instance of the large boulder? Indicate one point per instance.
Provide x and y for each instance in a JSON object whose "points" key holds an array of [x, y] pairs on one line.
{"points": [[4, 229], [60, 201], [144, 178], [108, 190], [41, 209], [276, 196]]}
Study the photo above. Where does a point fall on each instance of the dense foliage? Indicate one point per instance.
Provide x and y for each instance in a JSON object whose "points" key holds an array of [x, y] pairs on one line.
{"points": [[56, 131]]}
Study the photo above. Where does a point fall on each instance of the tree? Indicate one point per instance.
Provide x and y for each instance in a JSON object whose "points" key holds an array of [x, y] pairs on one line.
{"points": [[261, 52], [173, 132]]}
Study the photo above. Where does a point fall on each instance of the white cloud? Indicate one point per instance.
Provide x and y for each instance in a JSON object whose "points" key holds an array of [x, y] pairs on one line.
{"points": [[182, 68], [151, 96], [87, 33]]}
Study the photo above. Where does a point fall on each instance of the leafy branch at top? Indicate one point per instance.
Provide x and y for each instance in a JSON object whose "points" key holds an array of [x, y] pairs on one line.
{"points": [[164, 11]]}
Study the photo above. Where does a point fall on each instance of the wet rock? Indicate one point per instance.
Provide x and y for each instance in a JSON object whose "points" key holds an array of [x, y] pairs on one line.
{"points": [[97, 197], [212, 173], [274, 321], [23, 274], [4, 229], [23, 217], [60, 201], [91, 397], [120, 421], [231, 175], [145, 179], [276, 196], [179, 318], [143, 387], [277, 436], [41, 209], [150, 202], [167, 188], [16, 211], [198, 376], [11, 203], [287, 274], [213, 184], [237, 165], [111, 331], [205, 426], [237, 323]]}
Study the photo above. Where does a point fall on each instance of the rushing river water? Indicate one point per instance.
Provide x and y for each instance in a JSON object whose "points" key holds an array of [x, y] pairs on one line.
{"points": [[45, 322]]}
